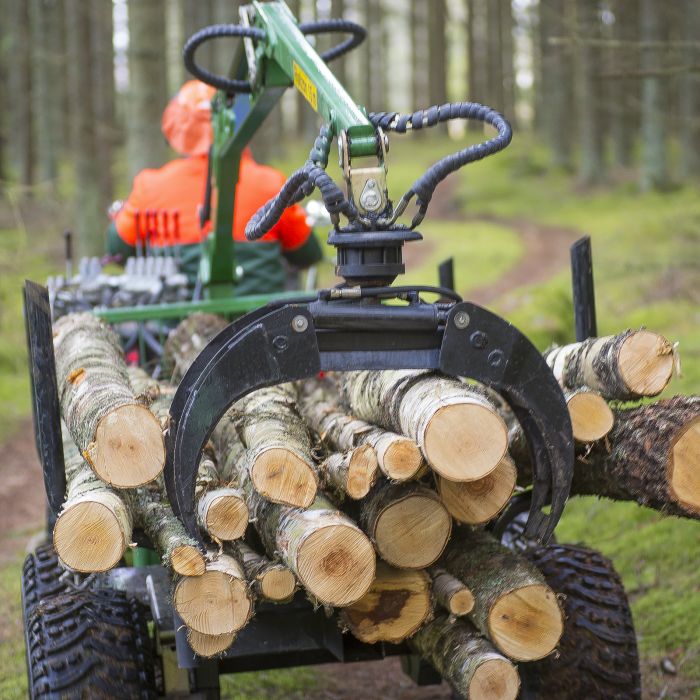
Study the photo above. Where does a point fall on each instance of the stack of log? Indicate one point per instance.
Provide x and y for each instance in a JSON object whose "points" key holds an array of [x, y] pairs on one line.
{"points": [[370, 491]]}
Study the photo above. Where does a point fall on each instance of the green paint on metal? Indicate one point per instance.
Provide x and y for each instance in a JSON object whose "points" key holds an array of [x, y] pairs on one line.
{"points": [[145, 557]]}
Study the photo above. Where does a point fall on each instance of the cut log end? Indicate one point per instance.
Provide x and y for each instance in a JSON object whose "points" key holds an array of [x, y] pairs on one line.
{"points": [[411, 533], [362, 471], [336, 564], [526, 624], [476, 502], [402, 460], [495, 679], [187, 560], [208, 645], [646, 363], [128, 449], [277, 584], [227, 517], [685, 466], [465, 441], [88, 537], [591, 417], [281, 476], [461, 602], [214, 603]]}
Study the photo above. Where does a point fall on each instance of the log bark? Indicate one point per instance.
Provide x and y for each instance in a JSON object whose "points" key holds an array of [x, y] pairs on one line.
{"points": [[350, 473], [396, 605], [450, 593], [407, 522], [330, 556], [209, 645], [217, 602], [94, 527], [399, 457], [513, 606], [118, 437], [477, 502], [270, 580], [467, 661], [458, 430], [621, 367]]}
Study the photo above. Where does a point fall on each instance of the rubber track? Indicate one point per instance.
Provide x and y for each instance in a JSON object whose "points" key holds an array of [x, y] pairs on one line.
{"points": [[82, 644], [597, 656]]}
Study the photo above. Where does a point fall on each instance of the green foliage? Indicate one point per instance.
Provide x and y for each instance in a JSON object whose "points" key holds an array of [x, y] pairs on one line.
{"points": [[13, 676], [285, 684]]}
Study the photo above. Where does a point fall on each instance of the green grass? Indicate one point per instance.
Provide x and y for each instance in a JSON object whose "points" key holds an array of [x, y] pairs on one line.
{"points": [[285, 684], [13, 677]]}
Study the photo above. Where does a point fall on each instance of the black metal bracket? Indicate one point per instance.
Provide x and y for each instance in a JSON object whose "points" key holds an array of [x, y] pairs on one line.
{"points": [[291, 342], [583, 289]]}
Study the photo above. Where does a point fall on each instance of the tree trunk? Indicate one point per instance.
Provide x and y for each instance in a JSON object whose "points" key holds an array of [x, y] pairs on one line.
{"points": [[620, 367], [494, 55], [217, 602], [588, 23], [451, 593], [339, 66], [270, 580], [513, 606], [407, 523], [459, 432], [209, 645], [654, 174], [437, 54], [119, 437], [690, 92], [393, 609], [328, 553], [147, 85], [399, 457], [472, 667], [507, 50], [94, 527], [224, 12], [376, 74], [350, 473], [477, 502]]}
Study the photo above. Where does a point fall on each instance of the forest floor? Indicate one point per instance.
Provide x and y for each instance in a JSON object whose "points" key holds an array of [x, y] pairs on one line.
{"points": [[511, 252]]}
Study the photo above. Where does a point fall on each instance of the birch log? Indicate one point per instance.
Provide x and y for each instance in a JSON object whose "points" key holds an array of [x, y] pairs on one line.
{"points": [[270, 580], [330, 556], [407, 523], [591, 417], [450, 593], [217, 602], [94, 527], [513, 606], [117, 436], [457, 428], [209, 645], [467, 661], [477, 502], [395, 606], [399, 457], [624, 366], [350, 473]]}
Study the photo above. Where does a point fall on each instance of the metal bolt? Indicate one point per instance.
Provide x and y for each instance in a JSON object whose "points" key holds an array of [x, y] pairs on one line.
{"points": [[461, 319], [280, 343], [370, 199], [479, 339], [495, 358], [300, 323]]}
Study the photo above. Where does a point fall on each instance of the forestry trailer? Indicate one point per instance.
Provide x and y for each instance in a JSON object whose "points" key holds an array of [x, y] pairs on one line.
{"points": [[140, 595]]}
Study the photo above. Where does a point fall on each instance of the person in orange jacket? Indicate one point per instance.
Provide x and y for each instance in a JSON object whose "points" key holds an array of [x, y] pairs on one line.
{"points": [[166, 202]]}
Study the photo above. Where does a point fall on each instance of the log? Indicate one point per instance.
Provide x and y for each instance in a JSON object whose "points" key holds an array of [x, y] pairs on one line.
{"points": [[472, 667], [330, 556], [350, 473], [186, 341], [407, 522], [458, 430], [270, 580], [395, 606], [450, 593], [209, 645], [177, 549], [279, 451], [217, 602], [477, 502], [591, 417], [399, 457], [117, 436], [94, 527], [621, 367], [513, 606]]}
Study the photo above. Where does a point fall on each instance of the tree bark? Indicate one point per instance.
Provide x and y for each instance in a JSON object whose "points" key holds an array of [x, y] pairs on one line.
{"points": [[494, 55], [119, 437], [620, 367], [350, 473], [472, 667], [507, 60], [513, 605], [147, 85], [270, 580], [437, 54], [376, 75], [94, 527], [451, 593], [690, 92], [456, 427], [393, 609]]}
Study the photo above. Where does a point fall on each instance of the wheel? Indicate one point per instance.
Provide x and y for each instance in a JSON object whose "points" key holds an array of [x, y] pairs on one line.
{"points": [[82, 643], [597, 655]]}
